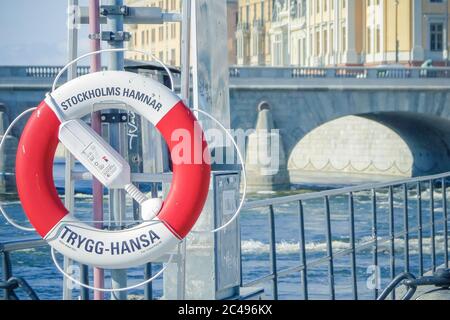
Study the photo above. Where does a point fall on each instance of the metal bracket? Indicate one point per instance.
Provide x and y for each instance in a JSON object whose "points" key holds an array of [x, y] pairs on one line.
{"points": [[114, 117], [109, 10], [111, 36]]}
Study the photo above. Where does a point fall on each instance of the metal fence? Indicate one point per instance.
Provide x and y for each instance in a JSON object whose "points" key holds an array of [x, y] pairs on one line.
{"points": [[413, 224], [411, 217]]}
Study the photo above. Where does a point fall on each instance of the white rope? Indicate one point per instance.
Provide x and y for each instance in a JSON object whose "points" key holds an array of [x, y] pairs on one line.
{"points": [[172, 86], [244, 174], [68, 276], [2, 142], [241, 159]]}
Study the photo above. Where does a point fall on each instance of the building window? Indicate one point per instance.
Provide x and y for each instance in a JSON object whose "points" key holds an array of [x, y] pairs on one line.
{"points": [[161, 33], [255, 44], [317, 43], [332, 39], [344, 39], [436, 36], [173, 57], [378, 39], [278, 50], [173, 31]]}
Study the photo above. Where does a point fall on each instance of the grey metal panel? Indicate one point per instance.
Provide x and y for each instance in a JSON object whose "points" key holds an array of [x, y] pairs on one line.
{"points": [[210, 60], [227, 240]]}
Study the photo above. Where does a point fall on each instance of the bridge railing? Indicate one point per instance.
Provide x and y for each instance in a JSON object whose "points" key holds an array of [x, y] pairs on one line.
{"points": [[383, 228], [340, 72], [266, 72], [37, 71]]}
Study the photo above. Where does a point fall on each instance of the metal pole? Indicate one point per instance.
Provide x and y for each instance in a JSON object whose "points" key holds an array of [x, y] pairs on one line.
{"points": [[97, 188], [432, 226], [185, 50], [72, 48], [375, 238], [273, 254], [116, 197], [392, 236], [351, 206], [7, 273], [304, 272], [406, 226], [445, 217], [329, 249], [419, 224]]}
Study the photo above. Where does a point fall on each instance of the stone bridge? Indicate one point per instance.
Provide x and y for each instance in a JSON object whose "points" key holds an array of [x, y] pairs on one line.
{"points": [[399, 124]]}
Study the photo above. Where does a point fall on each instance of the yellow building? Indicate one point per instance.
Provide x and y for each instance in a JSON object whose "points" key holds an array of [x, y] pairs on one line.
{"points": [[406, 31], [358, 32], [164, 41], [252, 34]]}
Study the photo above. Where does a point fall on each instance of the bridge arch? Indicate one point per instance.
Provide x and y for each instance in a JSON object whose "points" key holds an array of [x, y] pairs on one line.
{"points": [[389, 144], [402, 111]]}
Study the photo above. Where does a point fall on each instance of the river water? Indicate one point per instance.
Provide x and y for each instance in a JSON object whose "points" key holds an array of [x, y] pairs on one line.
{"points": [[36, 266]]}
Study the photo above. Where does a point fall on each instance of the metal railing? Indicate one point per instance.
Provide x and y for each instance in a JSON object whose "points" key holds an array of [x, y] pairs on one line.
{"points": [[412, 223], [6, 249], [37, 71], [267, 72], [423, 230], [340, 72]]}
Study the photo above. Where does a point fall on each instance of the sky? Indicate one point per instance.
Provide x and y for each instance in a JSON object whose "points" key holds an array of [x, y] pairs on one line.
{"points": [[34, 32]]}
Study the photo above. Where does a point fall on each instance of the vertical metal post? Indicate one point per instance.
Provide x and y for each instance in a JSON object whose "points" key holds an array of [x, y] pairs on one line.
{"points": [[69, 201], [185, 50], [304, 272], [352, 246], [420, 226], [97, 188], [406, 225], [273, 254], [432, 226], [116, 138], [7, 273], [148, 288], [445, 217], [329, 249], [84, 278], [186, 25], [392, 235], [375, 238]]}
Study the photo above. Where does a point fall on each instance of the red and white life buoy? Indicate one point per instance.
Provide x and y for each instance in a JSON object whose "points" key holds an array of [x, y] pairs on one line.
{"points": [[46, 212]]}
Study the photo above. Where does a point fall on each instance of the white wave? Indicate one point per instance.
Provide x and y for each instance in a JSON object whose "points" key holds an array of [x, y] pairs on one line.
{"points": [[285, 247]]}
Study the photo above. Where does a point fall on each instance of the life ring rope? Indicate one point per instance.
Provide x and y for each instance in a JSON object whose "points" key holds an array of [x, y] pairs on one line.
{"points": [[130, 188]]}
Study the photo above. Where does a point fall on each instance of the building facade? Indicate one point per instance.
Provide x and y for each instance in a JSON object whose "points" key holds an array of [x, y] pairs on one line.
{"points": [[316, 33], [164, 41], [345, 32], [252, 33]]}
